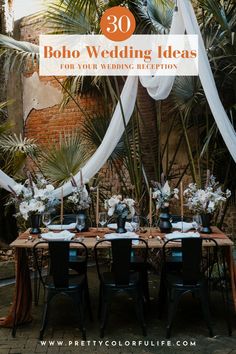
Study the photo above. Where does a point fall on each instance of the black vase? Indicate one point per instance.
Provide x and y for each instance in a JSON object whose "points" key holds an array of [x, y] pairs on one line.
{"points": [[83, 216], [206, 222], [121, 225], [35, 220], [165, 225]]}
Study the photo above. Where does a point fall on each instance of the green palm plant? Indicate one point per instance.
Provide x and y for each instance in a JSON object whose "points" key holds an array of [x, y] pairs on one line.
{"points": [[60, 160], [15, 150]]}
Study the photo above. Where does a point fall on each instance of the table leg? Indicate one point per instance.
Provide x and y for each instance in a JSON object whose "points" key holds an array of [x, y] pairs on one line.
{"points": [[225, 260], [232, 271]]}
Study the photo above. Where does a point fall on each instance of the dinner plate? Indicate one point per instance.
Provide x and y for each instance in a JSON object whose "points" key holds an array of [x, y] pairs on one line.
{"points": [[180, 235], [126, 235], [114, 226], [60, 236], [61, 227], [186, 226]]}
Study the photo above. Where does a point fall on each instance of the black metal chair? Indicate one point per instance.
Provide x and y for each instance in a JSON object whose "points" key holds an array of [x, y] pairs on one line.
{"points": [[76, 262], [60, 281], [137, 263], [120, 278], [192, 276]]}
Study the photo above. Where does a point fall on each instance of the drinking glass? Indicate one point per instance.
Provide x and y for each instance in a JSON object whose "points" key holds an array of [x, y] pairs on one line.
{"points": [[197, 222], [46, 219], [80, 223], [102, 219], [135, 223]]}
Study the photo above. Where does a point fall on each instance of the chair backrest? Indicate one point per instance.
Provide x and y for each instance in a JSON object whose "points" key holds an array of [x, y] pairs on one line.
{"points": [[192, 257], [121, 258], [59, 260]]}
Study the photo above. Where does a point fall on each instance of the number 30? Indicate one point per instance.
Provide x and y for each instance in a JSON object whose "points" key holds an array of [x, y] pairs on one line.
{"points": [[122, 24]]}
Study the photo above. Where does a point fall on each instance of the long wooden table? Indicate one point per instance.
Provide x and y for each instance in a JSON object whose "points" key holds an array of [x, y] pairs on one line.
{"points": [[21, 309]]}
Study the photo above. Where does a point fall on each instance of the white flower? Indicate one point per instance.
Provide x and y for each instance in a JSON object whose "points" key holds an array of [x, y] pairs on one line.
{"points": [[18, 188], [116, 205], [113, 201], [50, 188], [205, 200], [166, 188], [24, 209], [163, 195], [111, 211]]}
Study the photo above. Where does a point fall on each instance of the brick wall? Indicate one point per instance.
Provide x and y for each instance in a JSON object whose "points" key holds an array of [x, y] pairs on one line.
{"points": [[47, 124]]}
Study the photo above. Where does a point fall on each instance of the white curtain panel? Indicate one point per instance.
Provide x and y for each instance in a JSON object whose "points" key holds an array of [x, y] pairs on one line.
{"points": [[159, 88], [207, 79]]}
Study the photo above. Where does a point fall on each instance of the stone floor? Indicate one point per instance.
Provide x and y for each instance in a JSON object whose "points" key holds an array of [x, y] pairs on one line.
{"points": [[123, 334]]}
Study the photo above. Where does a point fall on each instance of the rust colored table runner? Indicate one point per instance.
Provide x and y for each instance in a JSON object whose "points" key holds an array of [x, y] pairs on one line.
{"points": [[21, 307]]}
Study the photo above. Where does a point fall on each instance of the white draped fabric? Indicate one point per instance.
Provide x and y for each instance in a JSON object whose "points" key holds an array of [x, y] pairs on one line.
{"points": [[159, 88], [207, 79]]}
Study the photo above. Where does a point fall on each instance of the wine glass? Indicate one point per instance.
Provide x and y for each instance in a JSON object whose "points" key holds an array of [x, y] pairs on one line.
{"points": [[46, 219], [80, 223], [102, 219], [197, 222], [135, 223]]}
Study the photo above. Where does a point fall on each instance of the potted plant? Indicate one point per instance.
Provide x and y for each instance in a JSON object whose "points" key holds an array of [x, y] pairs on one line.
{"points": [[205, 201], [80, 202], [162, 195], [32, 198], [122, 209]]}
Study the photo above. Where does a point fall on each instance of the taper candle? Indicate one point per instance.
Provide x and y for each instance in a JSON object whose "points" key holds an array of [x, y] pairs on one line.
{"points": [[150, 207], [181, 200], [97, 208], [62, 205], [81, 178]]}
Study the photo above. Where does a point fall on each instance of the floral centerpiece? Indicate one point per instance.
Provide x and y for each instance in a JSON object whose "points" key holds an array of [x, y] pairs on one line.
{"points": [[80, 198], [205, 201], [163, 194], [32, 198], [121, 208], [80, 201]]}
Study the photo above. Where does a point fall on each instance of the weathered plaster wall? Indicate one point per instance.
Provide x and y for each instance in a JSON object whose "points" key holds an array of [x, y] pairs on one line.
{"points": [[38, 95], [6, 27]]}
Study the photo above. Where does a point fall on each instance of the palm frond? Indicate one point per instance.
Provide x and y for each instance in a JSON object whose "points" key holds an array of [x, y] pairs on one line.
{"points": [[218, 11], [61, 160], [13, 144], [156, 17], [18, 54], [63, 20], [94, 130]]}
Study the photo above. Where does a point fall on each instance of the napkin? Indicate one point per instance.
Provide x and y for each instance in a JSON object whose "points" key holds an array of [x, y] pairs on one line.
{"points": [[114, 236], [62, 227], [128, 226], [59, 236], [177, 234], [186, 225]]}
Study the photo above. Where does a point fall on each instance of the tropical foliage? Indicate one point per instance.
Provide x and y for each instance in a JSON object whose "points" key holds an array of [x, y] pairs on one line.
{"points": [[189, 117]]}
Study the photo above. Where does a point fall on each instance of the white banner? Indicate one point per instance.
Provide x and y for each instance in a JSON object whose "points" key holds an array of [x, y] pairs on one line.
{"points": [[140, 55]]}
